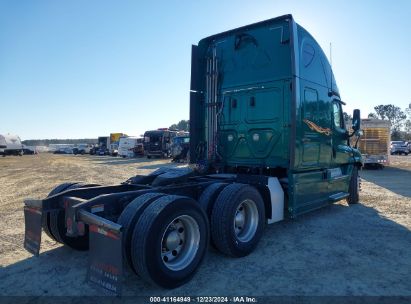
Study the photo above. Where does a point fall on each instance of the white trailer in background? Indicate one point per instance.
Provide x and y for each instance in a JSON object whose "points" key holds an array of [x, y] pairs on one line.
{"points": [[127, 146], [10, 145]]}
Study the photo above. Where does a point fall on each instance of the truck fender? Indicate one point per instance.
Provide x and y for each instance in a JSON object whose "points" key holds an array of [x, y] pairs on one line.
{"points": [[357, 158], [276, 200]]}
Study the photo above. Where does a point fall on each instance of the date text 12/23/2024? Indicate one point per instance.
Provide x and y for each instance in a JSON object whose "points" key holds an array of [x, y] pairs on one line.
{"points": [[203, 299]]}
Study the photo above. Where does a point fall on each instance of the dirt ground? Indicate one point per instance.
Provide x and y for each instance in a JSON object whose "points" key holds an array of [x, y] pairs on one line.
{"points": [[338, 250]]}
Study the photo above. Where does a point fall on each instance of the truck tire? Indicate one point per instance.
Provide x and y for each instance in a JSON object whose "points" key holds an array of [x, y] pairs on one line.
{"points": [[208, 197], [46, 217], [207, 200], [58, 226], [128, 219], [237, 220], [170, 240], [353, 189]]}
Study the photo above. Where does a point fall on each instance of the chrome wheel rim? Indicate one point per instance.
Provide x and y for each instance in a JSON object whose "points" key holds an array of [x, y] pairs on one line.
{"points": [[246, 220], [180, 242]]}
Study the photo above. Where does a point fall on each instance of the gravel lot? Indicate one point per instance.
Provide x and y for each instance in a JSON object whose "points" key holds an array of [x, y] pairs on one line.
{"points": [[339, 250]]}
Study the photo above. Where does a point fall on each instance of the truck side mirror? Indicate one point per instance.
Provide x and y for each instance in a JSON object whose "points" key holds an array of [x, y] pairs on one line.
{"points": [[356, 120]]}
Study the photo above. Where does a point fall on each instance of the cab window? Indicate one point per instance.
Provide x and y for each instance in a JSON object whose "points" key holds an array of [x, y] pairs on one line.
{"points": [[338, 117]]}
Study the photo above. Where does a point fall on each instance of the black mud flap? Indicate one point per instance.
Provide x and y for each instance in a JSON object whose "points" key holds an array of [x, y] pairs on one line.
{"points": [[32, 219], [105, 261]]}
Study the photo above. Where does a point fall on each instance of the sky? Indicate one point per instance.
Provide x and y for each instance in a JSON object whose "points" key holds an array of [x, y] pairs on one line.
{"points": [[82, 69]]}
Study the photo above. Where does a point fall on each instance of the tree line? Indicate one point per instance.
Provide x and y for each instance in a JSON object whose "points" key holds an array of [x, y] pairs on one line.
{"points": [[182, 125], [47, 142]]}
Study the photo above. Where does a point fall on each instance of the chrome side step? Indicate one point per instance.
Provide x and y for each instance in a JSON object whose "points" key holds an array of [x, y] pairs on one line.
{"points": [[338, 196]]}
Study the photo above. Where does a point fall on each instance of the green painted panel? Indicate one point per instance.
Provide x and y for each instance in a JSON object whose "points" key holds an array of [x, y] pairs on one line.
{"points": [[251, 126], [314, 65], [254, 76], [254, 56], [313, 139], [264, 105], [308, 190], [232, 108]]}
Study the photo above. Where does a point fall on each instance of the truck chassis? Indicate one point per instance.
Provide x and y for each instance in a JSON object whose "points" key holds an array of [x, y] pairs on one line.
{"points": [[159, 225]]}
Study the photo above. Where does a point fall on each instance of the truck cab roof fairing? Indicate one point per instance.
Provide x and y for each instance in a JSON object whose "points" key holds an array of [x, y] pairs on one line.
{"points": [[314, 65], [247, 27]]}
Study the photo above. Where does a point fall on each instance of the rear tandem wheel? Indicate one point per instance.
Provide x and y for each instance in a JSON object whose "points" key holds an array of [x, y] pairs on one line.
{"points": [[208, 197], [55, 222], [237, 220], [170, 240], [128, 219], [46, 217]]}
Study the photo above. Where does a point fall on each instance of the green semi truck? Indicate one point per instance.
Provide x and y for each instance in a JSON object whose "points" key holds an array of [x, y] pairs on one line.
{"points": [[267, 142]]}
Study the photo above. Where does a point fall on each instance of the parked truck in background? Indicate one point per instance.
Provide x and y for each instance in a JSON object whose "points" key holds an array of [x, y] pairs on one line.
{"points": [[157, 143], [267, 142], [10, 144], [102, 147], [374, 144], [139, 148], [82, 149], [180, 147], [130, 146], [114, 143]]}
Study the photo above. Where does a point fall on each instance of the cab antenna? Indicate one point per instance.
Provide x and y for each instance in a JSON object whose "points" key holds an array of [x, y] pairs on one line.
{"points": [[331, 70]]}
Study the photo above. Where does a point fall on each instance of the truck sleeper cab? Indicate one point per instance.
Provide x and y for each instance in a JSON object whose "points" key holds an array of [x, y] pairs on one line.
{"points": [[267, 142]]}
